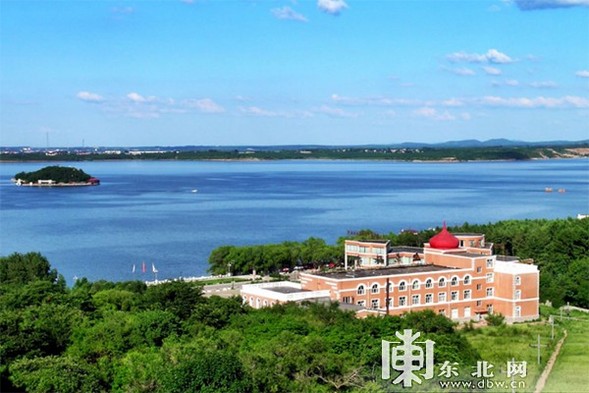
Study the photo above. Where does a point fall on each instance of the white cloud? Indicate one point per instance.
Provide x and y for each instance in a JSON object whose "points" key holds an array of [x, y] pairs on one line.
{"points": [[529, 5], [379, 101], [462, 71], [139, 99], [582, 74], [536, 102], [543, 85], [288, 14], [512, 82], [431, 113], [492, 70], [86, 96], [453, 102], [205, 105], [334, 112], [333, 7], [122, 10], [257, 111], [492, 56]]}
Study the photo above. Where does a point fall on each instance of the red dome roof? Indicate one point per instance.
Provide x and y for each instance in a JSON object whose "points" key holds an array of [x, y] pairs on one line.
{"points": [[444, 240]]}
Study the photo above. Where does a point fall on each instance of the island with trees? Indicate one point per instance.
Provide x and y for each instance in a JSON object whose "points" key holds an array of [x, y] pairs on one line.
{"points": [[55, 176]]}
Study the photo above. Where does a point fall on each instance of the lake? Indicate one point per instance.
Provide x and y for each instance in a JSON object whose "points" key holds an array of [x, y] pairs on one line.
{"points": [[173, 214]]}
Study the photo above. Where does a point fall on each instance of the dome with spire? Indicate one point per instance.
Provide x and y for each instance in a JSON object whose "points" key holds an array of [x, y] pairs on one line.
{"points": [[444, 240]]}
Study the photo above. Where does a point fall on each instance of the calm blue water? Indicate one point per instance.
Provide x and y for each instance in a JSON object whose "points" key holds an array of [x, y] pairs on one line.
{"points": [[146, 211]]}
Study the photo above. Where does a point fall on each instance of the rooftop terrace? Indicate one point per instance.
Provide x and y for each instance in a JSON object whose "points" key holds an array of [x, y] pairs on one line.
{"points": [[388, 271]]}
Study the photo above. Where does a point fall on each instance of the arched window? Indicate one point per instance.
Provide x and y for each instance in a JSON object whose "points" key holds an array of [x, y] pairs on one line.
{"points": [[466, 280], [429, 283], [361, 290], [402, 286], [454, 281], [265, 303], [442, 282], [374, 288], [391, 286], [415, 284]]}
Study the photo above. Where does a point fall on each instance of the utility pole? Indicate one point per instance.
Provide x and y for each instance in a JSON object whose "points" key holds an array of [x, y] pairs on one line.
{"points": [[538, 345], [387, 299]]}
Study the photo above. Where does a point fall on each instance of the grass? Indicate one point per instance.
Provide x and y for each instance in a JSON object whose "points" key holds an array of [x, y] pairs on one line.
{"points": [[571, 371], [498, 345], [216, 281]]}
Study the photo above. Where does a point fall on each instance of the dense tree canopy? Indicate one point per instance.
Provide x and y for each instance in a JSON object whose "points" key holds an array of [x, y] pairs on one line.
{"points": [[128, 337], [59, 174]]}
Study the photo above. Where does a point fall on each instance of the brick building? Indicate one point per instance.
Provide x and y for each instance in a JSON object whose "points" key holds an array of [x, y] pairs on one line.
{"points": [[456, 275]]}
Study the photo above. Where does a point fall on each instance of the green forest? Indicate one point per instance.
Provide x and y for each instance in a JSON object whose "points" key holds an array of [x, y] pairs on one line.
{"points": [[59, 174], [522, 152], [560, 248], [129, 337]]}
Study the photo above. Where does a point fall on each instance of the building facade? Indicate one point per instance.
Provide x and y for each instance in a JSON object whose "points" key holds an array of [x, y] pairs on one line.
{"points": [[455, 275]]}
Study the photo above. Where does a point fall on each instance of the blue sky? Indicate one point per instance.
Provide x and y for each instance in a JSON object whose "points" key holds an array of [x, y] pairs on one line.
{"points": [[234, 72]]}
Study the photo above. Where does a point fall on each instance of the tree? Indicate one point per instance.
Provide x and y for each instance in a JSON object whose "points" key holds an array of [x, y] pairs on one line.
{"points": [[55, 374], [23, 268], [178, 297], [207, 372]]}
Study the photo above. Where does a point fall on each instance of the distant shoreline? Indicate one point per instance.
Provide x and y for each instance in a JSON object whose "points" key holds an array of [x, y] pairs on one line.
{"points": [[447, 161]]}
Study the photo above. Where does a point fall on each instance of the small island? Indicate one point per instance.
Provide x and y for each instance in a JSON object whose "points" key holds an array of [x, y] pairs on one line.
{"points": [[55, 176]]}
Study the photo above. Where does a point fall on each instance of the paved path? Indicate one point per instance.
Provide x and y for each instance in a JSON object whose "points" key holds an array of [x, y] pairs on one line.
{"points": [[544, 376]]}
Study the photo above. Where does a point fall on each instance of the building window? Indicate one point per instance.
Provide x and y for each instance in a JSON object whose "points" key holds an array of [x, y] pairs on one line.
{"points": [[361, 290], [442, 282], [442, 311], [479, 303], [374, 303], [347, 300], [441, 297], [265, 303], [429, 283], [518, 294], [467, 294], [251, 301], [390, 301], [466, 280], [429, 298], [391, 286], [490, 308], [363, 249], [490, 262], [415, 299], [402, 301], [454, 296], [489, 277], [454, 281], [489, 291], [374, 288], [362, 303], [518, 311], [479, 286], [402, 286], [415, 284], [461, 244], [518, 280]]}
